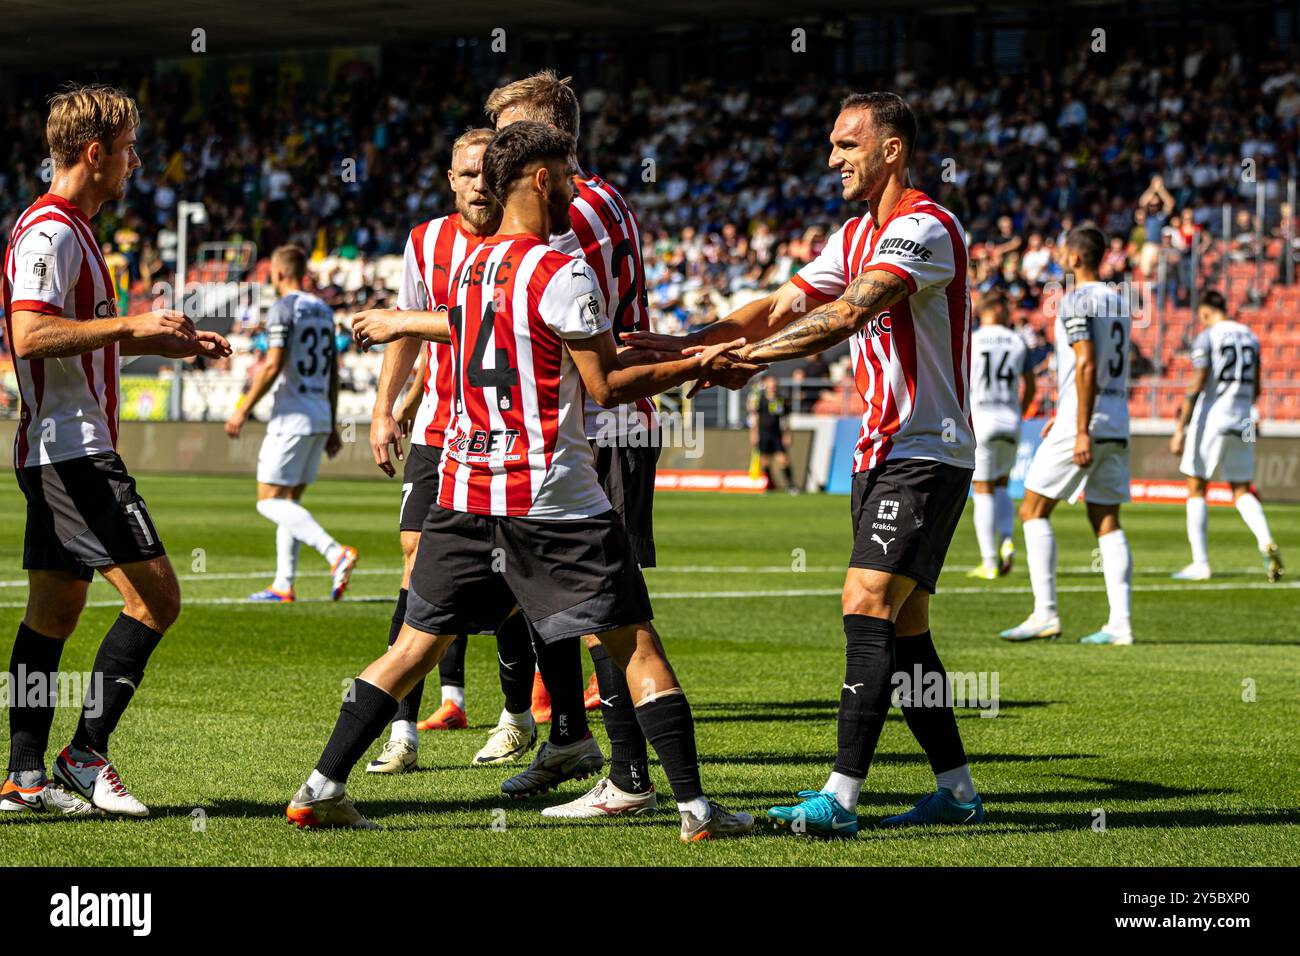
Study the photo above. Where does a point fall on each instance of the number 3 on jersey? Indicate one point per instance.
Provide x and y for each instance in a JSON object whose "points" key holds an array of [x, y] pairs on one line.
{"points": [[502, 376]]}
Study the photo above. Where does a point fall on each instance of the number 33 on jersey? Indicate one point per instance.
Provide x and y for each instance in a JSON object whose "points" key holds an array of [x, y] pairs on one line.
{"points": [[516, 444]]}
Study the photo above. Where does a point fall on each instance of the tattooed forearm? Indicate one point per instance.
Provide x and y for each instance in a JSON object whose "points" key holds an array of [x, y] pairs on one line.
{"points": [[832, 323]]}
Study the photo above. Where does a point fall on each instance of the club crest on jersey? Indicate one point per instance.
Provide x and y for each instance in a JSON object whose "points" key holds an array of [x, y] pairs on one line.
{"points": [[37, 272], [589, 309]]}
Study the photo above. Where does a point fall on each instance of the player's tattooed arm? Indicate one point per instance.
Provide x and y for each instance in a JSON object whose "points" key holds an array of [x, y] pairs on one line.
{"points": [[866, 297], [610, 382], [752, 321]]}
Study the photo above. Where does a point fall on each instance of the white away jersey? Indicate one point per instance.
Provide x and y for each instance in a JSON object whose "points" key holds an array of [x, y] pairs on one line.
{"points": [[999, 359], [303, 326], [434, 251], [604, 233], [516, 444], [911, 363], [1094, 311], [1231, 352], [53, 266]]}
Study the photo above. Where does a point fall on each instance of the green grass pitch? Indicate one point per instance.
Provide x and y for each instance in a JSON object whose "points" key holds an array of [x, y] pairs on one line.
{"points": [[1160, 738]]}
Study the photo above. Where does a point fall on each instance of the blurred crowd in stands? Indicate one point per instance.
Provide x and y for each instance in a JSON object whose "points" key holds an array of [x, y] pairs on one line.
{"points": [[729, 179]]}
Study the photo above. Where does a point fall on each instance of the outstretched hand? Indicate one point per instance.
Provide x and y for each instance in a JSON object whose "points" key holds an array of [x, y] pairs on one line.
{"points": [[723, 365]]}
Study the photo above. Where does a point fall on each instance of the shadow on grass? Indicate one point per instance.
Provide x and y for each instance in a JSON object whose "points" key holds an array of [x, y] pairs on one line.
{"points": [[826, 759], [796, 711]]}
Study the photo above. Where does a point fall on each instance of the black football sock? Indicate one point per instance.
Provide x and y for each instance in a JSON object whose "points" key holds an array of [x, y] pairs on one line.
{"points": [[864, 698], [409, 706], [771, 478], [932, 724], [789, 477], [516, 663], [118, 669], [32, 715], [560, 663], [629, 764], [361, 720], [451, 669], [667, 723]]}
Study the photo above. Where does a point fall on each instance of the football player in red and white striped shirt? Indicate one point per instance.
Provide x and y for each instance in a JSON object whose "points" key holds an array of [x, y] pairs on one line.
{"points": [[893, 282], [603, 232], [434, 252], [523, 519], [83, 511]]}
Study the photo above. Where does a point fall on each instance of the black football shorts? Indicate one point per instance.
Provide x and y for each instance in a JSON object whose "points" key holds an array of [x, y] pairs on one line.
{"points": [[904, 516], [83, 514], [569, 578], [419, 485], [627, 476]]}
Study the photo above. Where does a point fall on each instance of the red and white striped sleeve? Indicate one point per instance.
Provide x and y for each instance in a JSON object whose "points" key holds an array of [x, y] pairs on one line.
{"points": [[412, 294], [47, 259], [571, 304], [918, 249]]}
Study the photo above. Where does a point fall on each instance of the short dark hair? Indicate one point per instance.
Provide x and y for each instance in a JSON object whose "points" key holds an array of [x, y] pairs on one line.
{"points": [[1213, 298], [291, 259], [517, 147], [889, 112], [1089, 242], [993, 299]]}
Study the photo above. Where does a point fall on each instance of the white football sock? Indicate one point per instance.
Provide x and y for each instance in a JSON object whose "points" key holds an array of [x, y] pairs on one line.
{"points": [[520, 721], [301, 525], [1197, 529], [322, 787], [985, 531], [286, 559], [1005, 512], [405, 730], [845, 790], [958, 781], [454, 694], [699, 806], [1252, 512], [1040, 552], [1117, 567]]}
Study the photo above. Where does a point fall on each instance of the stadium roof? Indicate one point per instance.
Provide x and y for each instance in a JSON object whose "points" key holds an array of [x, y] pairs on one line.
{"points": [[94, 30]]}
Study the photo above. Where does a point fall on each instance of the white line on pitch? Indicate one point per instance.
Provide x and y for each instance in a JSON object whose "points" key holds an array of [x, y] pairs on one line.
{"points": [[784, 592], [670, 569]]}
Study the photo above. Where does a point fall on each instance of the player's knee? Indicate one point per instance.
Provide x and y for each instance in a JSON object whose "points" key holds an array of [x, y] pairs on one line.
{"points": [[159, 606], [863, 599], [57, 621]]}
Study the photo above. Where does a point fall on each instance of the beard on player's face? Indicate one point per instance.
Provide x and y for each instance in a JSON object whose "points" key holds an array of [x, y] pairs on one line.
{"points": [[558, 201], [867, 177], [476, 208]]}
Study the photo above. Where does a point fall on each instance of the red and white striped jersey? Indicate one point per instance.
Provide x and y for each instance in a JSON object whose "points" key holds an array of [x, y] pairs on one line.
{"points": [[434, 251], [53, 266], [911, 363], [516, 443], [605, 234]]}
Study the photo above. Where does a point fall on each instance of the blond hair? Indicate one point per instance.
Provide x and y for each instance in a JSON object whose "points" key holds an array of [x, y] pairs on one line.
{"points": [[87, 114], [480, 136], [544, 98]]}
